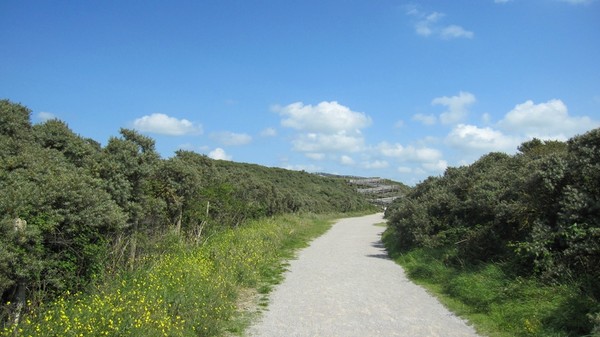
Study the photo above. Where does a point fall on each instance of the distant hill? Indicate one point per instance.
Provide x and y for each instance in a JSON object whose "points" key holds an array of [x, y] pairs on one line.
{"points": [[380, 192], [277, 190]]}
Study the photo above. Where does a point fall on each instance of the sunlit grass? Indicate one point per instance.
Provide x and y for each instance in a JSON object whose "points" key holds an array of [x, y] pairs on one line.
{"points": [[497, 303], [188, 291]]}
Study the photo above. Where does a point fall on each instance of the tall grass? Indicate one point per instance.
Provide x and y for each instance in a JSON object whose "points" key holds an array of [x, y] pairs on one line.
{"points": [[496, 302], [191, 290]]}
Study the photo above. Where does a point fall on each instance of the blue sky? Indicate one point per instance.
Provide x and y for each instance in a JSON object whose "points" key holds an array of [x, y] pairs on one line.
{"points": [[384, 88]]}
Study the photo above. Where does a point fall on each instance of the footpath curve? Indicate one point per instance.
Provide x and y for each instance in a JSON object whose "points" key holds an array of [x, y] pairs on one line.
{"points": [[344, 285]]}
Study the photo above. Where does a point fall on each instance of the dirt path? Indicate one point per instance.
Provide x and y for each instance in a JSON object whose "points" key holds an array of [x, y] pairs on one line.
{"points": [[344, 285]]}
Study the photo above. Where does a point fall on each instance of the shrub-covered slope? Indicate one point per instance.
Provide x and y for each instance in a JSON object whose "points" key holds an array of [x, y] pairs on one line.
{"points": [[72, 210], [537, 213]]}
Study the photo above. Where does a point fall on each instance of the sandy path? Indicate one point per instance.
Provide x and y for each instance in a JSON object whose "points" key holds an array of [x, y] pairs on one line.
{"points": [[344, 285]]}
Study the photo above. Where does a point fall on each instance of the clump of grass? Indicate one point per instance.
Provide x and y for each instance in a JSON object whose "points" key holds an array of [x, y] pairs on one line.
{"points": [[190, 290]]}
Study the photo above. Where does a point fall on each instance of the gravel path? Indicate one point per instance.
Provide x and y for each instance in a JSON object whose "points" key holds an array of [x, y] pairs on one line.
{"points": [[344, 285]]}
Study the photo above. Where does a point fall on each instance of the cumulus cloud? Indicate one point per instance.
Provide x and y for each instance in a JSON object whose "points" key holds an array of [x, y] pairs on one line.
{"points": [[219, 154], [409, 153], [320, 142], [315, 156], [45, 116], [480, 140], [428, 24], [457, 106], [325, 117], [231, 138], [166, 125], [438, 166], [425, 119], [326, 127], [549, 120], [377, 164], [346, 160]]}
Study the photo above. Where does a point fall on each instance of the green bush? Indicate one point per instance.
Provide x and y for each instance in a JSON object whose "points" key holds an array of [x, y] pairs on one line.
{"points": [[72, 210], [536, 213]]}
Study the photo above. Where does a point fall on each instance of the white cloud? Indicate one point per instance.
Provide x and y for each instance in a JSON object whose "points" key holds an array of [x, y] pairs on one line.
{"points": [[45, 116], [346, 160], [326, 117], [454, 31], [315, 156], [219, 154], [425, 27], [425, 119], [268, 132], [163, 124], [377, 164], [480, 140], [409, 153], [326, 127], [457, 106], [404, 169], [439, 166], [502, 1], [549, 120], [231, 138], [429, 25], [319, 142]]}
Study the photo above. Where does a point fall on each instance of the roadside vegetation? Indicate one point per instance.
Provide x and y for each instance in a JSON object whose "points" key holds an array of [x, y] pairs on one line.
{"points": [[188, 290], [511, 242], [116, 240]]}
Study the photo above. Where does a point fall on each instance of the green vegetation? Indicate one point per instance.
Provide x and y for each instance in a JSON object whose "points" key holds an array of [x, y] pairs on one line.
{"points": [[513, 241], [114, 240], [496, 301], [190, 290], [75, 214]]}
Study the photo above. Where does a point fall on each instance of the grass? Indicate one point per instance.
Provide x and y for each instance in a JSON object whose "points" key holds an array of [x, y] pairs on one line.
{"points": [[496, 302], [189, 291]]}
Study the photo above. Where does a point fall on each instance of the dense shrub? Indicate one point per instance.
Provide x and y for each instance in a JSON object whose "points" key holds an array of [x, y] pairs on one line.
{"points": [[72, 210], [538, 210]]}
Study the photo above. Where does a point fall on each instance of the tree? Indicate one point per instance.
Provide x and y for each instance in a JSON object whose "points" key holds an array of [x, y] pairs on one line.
{"points": [[15, 128], [181, 183], [128, 165], [15, 121], [55, 134]]}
